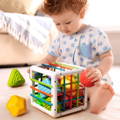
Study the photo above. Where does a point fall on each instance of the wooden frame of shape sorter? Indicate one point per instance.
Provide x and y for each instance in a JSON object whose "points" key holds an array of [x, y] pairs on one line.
{"points": [[56, 89]]}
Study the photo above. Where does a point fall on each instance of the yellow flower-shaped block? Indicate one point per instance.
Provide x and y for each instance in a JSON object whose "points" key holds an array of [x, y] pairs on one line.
{"points": [[17, 105]]}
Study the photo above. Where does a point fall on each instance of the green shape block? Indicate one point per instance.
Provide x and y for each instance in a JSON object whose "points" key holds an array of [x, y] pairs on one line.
{"points": [[38, 101], [45, 105], [15, 78]]}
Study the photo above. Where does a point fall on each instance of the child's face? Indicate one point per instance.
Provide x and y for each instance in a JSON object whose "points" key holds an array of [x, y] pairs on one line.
{"points": [[67, 22]]}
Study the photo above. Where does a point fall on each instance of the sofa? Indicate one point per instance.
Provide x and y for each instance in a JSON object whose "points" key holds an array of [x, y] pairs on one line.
{"points": [[24, 39], [14, 52]]}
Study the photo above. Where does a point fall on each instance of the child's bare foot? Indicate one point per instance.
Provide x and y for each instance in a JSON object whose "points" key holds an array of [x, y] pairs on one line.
{"points": [[100, 98], [108, 87]]}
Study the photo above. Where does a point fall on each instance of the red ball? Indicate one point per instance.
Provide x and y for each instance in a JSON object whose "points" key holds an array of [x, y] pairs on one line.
{"points": [[84, 80]]}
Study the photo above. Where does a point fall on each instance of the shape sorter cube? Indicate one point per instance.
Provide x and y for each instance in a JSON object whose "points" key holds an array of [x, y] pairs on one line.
{"points": [[56, 89]]}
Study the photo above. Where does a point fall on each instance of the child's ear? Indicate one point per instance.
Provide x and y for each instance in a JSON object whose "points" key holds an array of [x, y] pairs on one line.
{"points": [[83, 11]]}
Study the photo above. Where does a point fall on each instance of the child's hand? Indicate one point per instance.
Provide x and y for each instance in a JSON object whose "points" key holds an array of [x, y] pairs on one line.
{"points": [[95, 74]]}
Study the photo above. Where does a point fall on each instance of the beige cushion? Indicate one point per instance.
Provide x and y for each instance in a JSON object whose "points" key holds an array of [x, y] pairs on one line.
{"points": [[20, 6], [2, 31], [14, 52]]}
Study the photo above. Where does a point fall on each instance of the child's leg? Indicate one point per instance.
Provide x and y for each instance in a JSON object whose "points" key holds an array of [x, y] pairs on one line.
{"points": [[99, 97]]}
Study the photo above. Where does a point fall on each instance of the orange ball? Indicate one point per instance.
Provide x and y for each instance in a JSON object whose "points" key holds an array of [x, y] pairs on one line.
{"points": [[84, 80]]}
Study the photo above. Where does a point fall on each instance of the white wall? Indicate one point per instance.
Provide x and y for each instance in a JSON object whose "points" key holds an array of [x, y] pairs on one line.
{"points": [[103, 13]]}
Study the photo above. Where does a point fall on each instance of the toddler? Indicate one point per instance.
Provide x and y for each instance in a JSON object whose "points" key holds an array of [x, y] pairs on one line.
{"points": [[82, 45]]}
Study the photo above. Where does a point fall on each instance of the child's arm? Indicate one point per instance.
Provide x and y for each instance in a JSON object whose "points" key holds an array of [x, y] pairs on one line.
{"points": [[105, 65], [48, 59], [106, 62]]}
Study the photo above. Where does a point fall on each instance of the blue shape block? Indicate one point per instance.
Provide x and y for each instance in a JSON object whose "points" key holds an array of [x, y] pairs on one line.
{"points": [[45, 88]]}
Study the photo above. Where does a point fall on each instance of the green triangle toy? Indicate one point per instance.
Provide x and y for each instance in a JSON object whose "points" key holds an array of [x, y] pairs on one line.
{"points": [[15, 78]]}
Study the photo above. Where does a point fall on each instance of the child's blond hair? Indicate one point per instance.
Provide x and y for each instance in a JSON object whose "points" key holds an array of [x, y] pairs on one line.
{"points": [[54, 7]]}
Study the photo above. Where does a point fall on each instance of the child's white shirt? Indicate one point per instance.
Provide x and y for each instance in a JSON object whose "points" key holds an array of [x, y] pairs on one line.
{"points": [[81, 48]]}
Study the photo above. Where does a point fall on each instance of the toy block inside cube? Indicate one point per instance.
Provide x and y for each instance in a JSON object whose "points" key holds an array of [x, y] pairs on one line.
{"points": [[56, 89]]}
